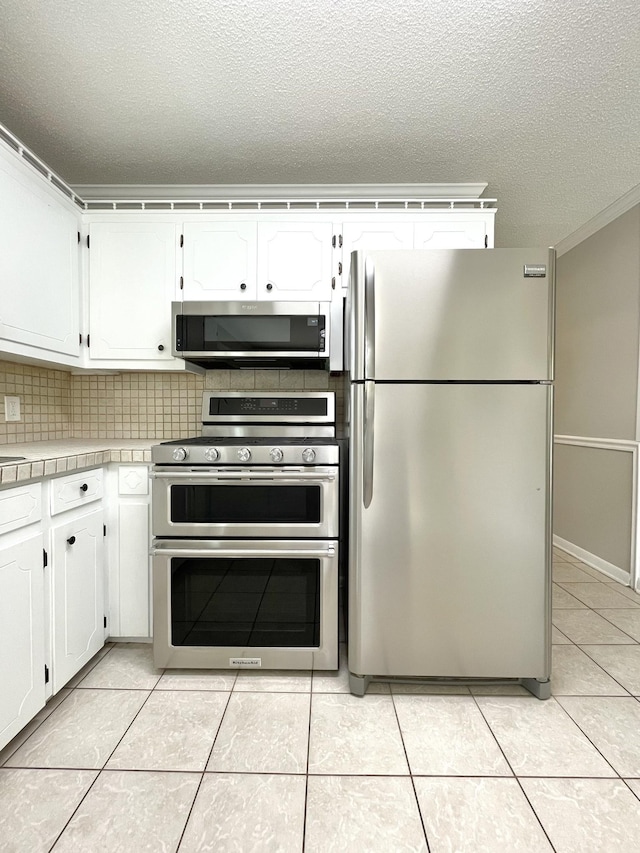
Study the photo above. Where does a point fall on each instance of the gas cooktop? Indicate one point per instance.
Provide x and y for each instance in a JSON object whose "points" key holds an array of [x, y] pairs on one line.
{"points": [[283, 428]]}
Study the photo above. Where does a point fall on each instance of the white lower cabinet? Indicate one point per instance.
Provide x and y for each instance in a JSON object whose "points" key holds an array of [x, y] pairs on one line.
{"points": [[129, 562], [22, 632], [59, 580], [77, 559]]}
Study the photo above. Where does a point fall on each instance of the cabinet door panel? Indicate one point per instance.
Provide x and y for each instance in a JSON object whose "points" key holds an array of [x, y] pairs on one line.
{"points": [[294, 261], [369, 236], [39, 265], [219, 257], [451, 233], [78, 594], [132, 269], [21, 636]]}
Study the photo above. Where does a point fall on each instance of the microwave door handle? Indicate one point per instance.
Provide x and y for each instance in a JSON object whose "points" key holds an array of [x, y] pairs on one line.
{"points": [[369, 319], [368, 443]]}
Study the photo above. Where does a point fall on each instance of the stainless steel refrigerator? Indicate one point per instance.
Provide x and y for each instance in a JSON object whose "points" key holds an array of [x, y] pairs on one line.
{"points": [[450, 410]]}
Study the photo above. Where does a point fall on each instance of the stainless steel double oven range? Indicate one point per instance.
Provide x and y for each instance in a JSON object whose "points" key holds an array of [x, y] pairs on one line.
{"points": [[246, 522]]}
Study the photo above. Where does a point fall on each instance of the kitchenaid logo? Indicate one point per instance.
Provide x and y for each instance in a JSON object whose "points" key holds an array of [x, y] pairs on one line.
{"points": [[535, 270], [250, 662], [248, 307]]}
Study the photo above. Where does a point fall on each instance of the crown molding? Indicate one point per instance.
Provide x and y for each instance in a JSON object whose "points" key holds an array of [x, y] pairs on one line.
{"points": [[613, 211], [268, 192]]}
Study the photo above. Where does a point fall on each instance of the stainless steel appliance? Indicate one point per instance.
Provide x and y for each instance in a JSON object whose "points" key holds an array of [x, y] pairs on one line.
{"points": [[246, 522], [259, 334], [450, 397]]}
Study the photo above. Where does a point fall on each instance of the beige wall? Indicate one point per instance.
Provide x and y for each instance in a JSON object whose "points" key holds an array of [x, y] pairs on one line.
{"points": [[597, 350], [57, 405], [597, 332], [593, 501]]}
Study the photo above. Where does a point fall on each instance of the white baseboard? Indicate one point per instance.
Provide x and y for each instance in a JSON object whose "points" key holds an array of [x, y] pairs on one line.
{"points": [[608, 569]]}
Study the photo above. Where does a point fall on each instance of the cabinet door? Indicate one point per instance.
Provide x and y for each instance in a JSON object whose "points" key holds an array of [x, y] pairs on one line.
{"points": [[22, 651], [358, 236], [129, 587], [132, 282], [451, 232], [294, 261], [39, 265], [78, 594], [219, 261]]}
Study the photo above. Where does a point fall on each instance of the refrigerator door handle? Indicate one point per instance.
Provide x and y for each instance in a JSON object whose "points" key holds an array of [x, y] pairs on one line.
{"points": [[369, 319], [368, 444]]}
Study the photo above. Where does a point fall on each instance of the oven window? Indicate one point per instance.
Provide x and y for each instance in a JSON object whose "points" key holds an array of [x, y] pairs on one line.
{"points": [[248, 504], [245, 602]]}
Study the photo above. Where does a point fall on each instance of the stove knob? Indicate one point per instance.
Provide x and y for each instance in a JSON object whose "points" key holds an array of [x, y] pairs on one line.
{"points": [[308, 454], [276, 454], [180, 453], [244, 454], [211, 454]]}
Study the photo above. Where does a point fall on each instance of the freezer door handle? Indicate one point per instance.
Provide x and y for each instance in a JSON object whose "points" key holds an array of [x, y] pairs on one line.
{"points": [[368, 443], [369, 319]]}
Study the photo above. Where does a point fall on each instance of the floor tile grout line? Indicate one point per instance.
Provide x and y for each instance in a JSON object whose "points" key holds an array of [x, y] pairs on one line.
{"points": [[636, 794], [306, 775], [585, 652], [406, 757], [575, 722], [204, 770], [510, 766], [20, 745], [74, 811], [562, 585], [606, 618]]}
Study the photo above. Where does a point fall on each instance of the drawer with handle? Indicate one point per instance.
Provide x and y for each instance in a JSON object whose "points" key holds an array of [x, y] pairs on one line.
{"points": [[76, 490]]}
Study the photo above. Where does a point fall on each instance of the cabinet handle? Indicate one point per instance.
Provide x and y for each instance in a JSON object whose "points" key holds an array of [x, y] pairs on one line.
{"points": [[269, 286], [71, 540], [160, 347], [243, 286], [84, 487]]}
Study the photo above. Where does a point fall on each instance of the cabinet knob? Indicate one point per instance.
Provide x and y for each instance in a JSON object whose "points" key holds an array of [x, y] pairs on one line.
{"points": [[243, 286], [269, 286], [84, 487], [160, 347], [71, 540]]}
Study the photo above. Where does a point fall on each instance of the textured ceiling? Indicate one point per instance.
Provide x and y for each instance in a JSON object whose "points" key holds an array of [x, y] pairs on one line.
{"points": [[540, 98]]}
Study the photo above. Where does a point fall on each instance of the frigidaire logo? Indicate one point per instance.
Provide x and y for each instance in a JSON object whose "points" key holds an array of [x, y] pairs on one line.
{"points": [[249, 307]]}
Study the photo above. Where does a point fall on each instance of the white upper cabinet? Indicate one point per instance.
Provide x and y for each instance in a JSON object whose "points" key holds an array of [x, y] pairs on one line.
{"points": [[266, 260], [376, 235], [369, 235], [132, 282], [453, 232], [39, 267], [219, 260], [428, 230], [294, 261]]}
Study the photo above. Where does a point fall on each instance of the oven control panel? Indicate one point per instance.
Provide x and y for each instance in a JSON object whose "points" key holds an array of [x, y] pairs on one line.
{"points": [[244, 453]]}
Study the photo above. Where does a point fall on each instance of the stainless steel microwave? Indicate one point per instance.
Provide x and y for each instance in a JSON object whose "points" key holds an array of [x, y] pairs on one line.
{"points": [[258, 334]]}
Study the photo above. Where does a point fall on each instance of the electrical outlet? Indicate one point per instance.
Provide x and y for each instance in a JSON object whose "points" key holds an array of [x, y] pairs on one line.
{"points": [[12, 409]]}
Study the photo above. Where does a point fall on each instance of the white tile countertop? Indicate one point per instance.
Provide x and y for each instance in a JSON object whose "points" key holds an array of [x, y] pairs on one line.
{"points": [[45, 458]]}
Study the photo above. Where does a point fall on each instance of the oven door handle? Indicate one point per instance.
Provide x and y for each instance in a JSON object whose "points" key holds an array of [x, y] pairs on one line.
{"points": [[244, 552], [242, 475]]}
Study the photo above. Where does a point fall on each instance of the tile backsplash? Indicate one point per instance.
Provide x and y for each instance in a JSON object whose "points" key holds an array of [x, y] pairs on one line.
{"points": [[45, 403], [56, 404]]}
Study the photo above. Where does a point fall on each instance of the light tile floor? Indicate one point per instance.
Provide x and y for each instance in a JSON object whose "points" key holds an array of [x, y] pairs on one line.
{"points": [[128, 758]]}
